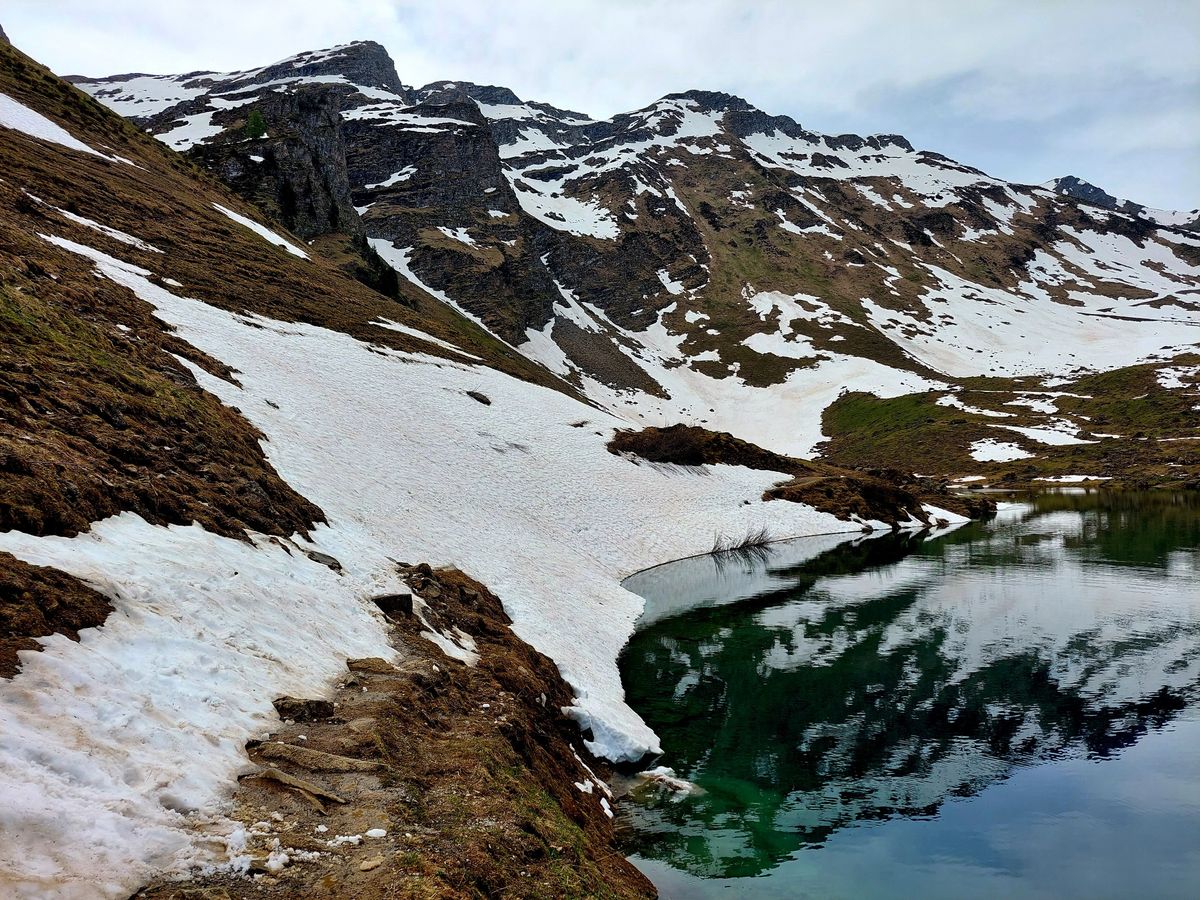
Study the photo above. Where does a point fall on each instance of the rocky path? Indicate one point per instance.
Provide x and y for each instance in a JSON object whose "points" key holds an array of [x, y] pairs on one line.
{"points": [[429, 777]]}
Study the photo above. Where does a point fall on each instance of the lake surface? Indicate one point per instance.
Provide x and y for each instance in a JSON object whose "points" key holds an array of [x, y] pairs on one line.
{"points": [[1010, 709]]}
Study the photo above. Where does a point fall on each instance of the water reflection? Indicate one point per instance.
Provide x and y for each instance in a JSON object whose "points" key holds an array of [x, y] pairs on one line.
{"points": [[877, 679]]}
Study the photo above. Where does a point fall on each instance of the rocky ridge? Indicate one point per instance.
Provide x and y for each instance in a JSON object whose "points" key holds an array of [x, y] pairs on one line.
{"points": [[699, 260], [1071, 186]]}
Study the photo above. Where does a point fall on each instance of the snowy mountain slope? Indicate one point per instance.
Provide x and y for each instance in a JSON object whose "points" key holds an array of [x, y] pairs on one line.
{"points": [[201, 410], [700, 260], [520, 523]]}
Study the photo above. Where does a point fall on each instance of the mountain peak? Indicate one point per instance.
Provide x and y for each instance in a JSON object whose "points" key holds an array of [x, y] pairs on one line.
{"points": [[446, 91], [713, 101], [1073, 186], [365, 63], [1086, 192]]}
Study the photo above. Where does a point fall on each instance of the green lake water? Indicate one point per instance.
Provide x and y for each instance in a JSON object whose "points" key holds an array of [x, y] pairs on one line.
{"points": [[1010, 709]]}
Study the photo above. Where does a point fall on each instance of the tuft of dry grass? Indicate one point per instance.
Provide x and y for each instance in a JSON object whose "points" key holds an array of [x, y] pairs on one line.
{"points": [[752, 539]]}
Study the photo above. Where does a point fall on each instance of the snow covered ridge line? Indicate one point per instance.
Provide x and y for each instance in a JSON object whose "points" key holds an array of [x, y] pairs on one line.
{"points": [[206, 631]]}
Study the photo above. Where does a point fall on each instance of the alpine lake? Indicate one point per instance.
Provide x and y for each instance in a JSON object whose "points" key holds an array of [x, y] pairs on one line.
{"points": [[1007, 709]]}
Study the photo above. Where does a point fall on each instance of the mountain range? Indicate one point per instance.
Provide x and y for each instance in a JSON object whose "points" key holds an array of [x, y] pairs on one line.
{"points": [[697, 260]]}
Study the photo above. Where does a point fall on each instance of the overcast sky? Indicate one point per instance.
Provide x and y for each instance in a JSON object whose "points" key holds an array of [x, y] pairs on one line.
{"points": [[1108, 90]]}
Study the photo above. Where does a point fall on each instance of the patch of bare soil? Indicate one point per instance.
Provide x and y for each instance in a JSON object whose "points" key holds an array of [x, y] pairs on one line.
{"points": [[691, 445], [428, 777], [36, 601], [885, 495]]}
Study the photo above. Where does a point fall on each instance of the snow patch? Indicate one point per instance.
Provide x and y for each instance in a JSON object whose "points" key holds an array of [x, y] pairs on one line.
{"points": [[262, 231], [20, 117], [989, 450]]}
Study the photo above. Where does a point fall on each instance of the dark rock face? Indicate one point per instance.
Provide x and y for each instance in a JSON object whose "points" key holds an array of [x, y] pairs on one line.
{"points": [[455, 164], [1087, 192], [1077, 188], [712, 101], [3, 37], [419, 182], [449, 91], [745, 122], [298, 171], [394, 605]]}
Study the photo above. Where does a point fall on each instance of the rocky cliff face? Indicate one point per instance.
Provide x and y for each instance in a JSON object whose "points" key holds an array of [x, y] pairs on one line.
{"points": [[1071, 186], [297, 171]]}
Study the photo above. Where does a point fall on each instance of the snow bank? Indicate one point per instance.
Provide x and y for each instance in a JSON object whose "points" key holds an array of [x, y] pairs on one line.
{"points": [[207, 630], [784, 417], [422, 336], [1073, 479], [191, 131], [969, 329], [988, 450]]}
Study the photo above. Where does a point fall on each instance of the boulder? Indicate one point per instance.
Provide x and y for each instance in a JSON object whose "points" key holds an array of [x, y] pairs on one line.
{"points": [[302, 710], [394, 605]]}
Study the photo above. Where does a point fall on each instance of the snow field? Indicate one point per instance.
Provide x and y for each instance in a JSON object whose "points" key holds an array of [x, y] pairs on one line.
{"points": [[784, 417], [988, 450], [107, 746]]}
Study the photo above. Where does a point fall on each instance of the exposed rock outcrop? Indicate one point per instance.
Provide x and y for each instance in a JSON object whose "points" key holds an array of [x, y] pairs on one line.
{"points": [[1071, 186], [297, 171]]}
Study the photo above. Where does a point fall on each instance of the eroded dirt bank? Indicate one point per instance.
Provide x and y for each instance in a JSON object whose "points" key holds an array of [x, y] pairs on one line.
{"points": [[426, 777]]}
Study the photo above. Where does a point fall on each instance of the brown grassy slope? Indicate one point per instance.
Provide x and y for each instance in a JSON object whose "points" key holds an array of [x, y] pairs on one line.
{"points": [[36, 601], [886, 495]]}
